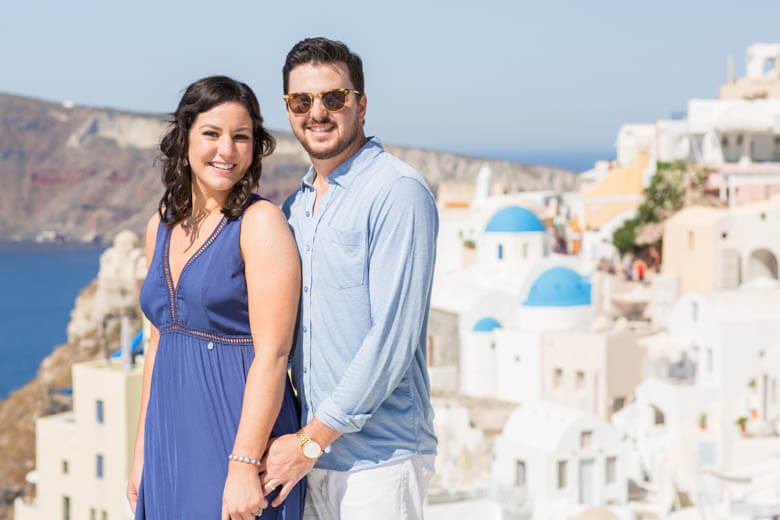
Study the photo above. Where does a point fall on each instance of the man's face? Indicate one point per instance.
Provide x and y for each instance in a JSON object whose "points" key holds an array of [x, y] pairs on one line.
{"points": [[324, 134]]}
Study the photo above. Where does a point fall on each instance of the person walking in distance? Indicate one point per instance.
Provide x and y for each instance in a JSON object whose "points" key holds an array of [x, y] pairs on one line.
{"points": [[365, 224]]}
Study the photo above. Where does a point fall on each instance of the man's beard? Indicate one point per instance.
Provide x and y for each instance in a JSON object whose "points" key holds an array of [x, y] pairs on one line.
{"points": [[339, 146]]}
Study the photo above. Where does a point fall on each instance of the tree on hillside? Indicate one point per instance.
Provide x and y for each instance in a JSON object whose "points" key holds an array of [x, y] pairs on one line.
{"points": [[664, 196]]}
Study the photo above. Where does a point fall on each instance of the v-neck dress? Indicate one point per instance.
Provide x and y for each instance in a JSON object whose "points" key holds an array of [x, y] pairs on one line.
{"points": [[197, 387]]}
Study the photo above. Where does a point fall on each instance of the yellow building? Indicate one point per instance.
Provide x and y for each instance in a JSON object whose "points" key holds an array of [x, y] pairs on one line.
{"points": [[83, 456], [620, 191]]}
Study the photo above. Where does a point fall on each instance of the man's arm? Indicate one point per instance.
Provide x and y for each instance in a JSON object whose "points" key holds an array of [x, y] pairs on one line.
{"points": [[401, 253]]}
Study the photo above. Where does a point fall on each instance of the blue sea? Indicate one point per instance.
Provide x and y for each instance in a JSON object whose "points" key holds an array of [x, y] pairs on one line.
{"points": [[38, 289], [574, 160]]}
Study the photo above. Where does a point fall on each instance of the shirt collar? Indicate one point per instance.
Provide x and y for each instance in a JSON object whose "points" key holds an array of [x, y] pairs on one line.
{"points": [[346, 172]]}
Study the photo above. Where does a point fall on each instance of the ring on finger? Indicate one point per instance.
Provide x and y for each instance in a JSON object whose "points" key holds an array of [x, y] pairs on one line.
{"points": [[259, 512]]}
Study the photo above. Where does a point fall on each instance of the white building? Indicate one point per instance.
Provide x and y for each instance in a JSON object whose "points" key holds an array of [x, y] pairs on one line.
{"points": [[726, 333], [521, 319], [550, 455], [718, 248], [737, 135], [501, 336], [83, 456], [592, 371]]}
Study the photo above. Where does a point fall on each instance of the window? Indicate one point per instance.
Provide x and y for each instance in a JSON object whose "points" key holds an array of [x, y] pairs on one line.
{"points": [[708, 454], [65, 507], [561, 474], [99, 466], [618, 403], [610, 472], [500, 252], [585, 439], [658, 416], [519, 473], [724, 142], [104, 516], [92, 514], [64, 467], [99, 411], [557, 377], [739, 139], [777, 147], [579, 380]]}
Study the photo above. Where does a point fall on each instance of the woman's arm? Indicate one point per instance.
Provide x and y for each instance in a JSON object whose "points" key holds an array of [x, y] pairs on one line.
{"points": [[273, 280], [134, 479]]}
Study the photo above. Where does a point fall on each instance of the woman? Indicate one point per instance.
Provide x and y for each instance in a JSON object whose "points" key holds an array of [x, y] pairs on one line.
{"points": [[222, 295]]}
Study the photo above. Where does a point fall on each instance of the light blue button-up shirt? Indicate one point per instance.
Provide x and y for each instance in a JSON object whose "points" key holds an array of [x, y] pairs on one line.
{"points": [[367, 254]]}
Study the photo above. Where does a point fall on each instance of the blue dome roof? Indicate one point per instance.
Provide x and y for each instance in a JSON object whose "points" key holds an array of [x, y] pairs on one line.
{"points": [[514, 219], [559, 287], [486, 325]]}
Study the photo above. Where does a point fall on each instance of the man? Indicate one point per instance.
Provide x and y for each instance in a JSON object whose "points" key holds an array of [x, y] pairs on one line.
{"points": [[365, 224]]}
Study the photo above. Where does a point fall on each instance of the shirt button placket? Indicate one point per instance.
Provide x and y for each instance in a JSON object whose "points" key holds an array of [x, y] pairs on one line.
{"points": [[307, 299]]}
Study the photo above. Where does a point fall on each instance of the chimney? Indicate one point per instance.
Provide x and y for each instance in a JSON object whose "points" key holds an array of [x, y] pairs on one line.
{"points": [[730, 68], [125, 342]]}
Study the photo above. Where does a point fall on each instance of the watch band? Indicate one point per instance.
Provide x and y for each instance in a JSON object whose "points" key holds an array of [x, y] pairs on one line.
{"points": [[303, 440]]}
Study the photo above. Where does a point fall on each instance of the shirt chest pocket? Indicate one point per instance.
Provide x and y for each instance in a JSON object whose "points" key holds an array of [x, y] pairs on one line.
{"points": [[341, 258]]}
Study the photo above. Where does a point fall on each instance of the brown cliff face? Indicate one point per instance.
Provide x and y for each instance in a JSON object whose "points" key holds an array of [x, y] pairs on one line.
{"points": [[88, 173]]}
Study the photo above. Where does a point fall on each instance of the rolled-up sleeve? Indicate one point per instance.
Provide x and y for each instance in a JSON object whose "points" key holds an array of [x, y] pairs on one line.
{"points": [[401, 255]]}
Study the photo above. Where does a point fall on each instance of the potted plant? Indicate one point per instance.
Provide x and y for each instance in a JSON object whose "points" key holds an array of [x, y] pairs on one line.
{"points": [[741, 422], [703, 421]]}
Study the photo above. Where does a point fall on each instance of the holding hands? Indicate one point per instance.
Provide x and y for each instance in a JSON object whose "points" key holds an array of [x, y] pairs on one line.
{"points": [[243, 497], [285, 464]]}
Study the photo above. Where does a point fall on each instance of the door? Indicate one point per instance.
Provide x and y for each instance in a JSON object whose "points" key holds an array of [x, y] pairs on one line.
{"points": [[587, 481]]}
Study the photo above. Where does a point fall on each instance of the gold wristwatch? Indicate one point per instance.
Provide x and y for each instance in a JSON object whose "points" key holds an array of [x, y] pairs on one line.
{"points": [[311, 449]]}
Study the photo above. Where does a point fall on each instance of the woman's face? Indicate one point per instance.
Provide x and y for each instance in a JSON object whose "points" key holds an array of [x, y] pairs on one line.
{"points": [[220, 148]]}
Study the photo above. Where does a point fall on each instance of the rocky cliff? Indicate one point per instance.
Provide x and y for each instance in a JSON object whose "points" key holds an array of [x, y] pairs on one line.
{"points": [[85, 173], [93, 330]]}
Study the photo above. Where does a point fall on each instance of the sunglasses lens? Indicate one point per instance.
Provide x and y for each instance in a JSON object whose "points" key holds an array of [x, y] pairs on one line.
{"points": [[334, 99], [299, 103]]}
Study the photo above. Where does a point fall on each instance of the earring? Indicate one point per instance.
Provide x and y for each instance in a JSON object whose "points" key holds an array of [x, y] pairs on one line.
{"points": [[185, 162]]}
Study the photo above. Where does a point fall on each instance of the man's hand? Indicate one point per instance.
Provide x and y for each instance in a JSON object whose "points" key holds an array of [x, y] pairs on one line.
{"points": [[285, 465]]}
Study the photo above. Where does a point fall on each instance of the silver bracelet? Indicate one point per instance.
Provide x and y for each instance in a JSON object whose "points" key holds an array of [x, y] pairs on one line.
{"points": [[241, 458]]}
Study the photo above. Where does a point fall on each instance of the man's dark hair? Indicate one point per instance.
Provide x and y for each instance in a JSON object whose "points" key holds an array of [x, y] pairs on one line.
{"points": [[322, 50]]}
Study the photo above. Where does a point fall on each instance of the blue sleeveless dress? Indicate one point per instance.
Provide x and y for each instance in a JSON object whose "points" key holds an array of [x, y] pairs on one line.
{"points": [[198, 381]]}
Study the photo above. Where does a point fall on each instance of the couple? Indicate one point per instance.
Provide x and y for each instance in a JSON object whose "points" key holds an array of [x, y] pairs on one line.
{"points": [[230, 290]]}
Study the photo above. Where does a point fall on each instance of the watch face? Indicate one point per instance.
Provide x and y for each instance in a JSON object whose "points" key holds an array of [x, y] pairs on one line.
{"points": [[311, 449]]}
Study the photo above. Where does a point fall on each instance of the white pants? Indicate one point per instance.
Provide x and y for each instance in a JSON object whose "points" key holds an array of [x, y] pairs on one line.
{"points": [[393, 491]]}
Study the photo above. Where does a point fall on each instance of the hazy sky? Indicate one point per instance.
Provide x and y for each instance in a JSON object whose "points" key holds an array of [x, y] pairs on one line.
{"points": [[501, 78]]}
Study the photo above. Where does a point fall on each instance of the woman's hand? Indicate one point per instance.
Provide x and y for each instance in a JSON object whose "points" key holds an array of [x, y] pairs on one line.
{"points": [[243, 497], [134, 483]]}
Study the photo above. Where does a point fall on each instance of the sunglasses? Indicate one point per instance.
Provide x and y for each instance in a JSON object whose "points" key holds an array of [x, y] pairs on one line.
{"points": [[333, 100]]}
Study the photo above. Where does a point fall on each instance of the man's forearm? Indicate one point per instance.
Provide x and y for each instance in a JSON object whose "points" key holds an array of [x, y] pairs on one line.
{"points": [[322, 434]]}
